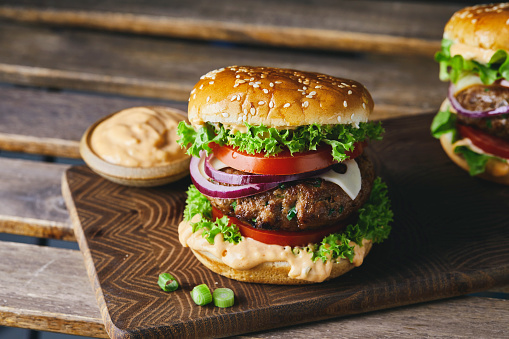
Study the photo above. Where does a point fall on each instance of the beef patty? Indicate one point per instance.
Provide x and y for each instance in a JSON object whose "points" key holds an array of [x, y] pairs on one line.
{"points": [[484, 98], [299, 205]]}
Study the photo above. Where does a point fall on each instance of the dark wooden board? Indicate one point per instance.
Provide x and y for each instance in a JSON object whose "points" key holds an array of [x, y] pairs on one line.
{"points": [[450, 237], [373, 26], [153, 67]]}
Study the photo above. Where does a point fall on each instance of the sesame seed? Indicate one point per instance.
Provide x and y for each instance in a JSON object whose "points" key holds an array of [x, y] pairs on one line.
{"points": [[194, 96], [245, 110], [318, 87], [352, 116], [256, 85], [345, 104], [286, 105], [312, 93], [309, 96], [474, 21], [507, 22], [211, 82], [271, 84], [261, 103], [364, 105], [235, 85], [225, 115], [265, 91], [233, 98], [194, 90], [354, 85], [208, 99], [201, 86], [238, 76], [349, 91], [278, 82], [304, 88], [305, 104], [252, 110], [339, 118], [271, 104]]}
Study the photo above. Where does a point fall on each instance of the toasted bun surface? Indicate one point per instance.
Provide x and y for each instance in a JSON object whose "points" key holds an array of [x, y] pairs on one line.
{"points": [[479, 31], [270, 272], [496, 171], [276, 97]]}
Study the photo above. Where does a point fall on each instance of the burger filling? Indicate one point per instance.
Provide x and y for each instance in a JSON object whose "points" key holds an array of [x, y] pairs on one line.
{"points": [[475, 114], [300, 205]]}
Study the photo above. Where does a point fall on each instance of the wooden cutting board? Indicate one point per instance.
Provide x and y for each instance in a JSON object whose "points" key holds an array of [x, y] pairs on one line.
{"points": [[450, 237]]}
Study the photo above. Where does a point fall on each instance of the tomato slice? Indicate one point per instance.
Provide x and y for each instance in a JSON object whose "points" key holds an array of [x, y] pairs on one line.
{"points": [[282, 238], [282, 163], [488, 143]]}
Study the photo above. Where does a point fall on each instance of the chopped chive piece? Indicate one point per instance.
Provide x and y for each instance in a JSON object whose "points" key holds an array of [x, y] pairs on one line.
{"points": [[167, 282], [201, 295], [292, 213], [223, 297]]}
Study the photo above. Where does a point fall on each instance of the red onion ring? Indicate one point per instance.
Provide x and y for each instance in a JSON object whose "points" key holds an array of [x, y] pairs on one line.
{"points": [[208, 188], [473, 114], [244, 179]]}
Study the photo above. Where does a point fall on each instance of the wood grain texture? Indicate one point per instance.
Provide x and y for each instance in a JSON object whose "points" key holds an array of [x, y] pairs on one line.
{"points": [[63, 301], [31, 202], [163, 68], [464, 317], [374, 26], [128, 236], [60, 117], [47, 289]]}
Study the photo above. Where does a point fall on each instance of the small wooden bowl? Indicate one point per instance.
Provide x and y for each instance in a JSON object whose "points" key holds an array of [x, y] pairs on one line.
{"points": [[133, 176]]}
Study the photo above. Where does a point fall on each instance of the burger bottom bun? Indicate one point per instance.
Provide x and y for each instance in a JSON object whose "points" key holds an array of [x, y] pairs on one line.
{"points": [[496, 171], [270, 272]]}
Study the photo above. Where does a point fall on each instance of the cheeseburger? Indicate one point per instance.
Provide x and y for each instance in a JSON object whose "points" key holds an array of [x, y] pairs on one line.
{"points": [[472, 122], [282, 192]]}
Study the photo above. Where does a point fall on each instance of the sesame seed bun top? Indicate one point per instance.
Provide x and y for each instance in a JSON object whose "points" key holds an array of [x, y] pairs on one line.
{"points": [[276, 97], [479, 31]]}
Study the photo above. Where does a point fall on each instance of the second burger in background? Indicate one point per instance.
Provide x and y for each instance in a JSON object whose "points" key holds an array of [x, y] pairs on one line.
{"points": [[472, 123], [282, 192]]}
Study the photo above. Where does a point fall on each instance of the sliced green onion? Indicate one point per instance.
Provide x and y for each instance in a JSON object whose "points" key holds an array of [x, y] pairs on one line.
{"points": [[223, 297], [201, 295], [167, 282]]}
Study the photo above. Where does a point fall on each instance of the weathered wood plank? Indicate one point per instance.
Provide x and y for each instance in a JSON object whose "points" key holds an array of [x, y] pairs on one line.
{"points": [[465, 317], [31, 201], [161, 68], [375, 26], [60, 118], [47, 289]]}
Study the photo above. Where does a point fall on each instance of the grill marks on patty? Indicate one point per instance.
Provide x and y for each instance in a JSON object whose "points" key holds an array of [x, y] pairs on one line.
{"points": [[484, 98], [300, 205]]}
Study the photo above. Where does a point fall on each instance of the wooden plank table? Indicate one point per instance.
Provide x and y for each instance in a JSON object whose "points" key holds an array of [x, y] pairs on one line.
{"points": [[56, 80]]}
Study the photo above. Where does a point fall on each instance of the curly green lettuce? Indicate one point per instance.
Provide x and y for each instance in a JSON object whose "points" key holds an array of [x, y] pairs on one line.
{"points": [[452, 68], [445, 122], [271, 141], [373, 224]]}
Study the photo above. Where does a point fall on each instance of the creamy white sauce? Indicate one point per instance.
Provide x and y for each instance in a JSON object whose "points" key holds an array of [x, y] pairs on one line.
{"points": [[250, 253]]}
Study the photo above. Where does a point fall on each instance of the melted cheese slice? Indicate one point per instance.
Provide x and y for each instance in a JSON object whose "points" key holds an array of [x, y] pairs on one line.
{"points": [[350, 181]]}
